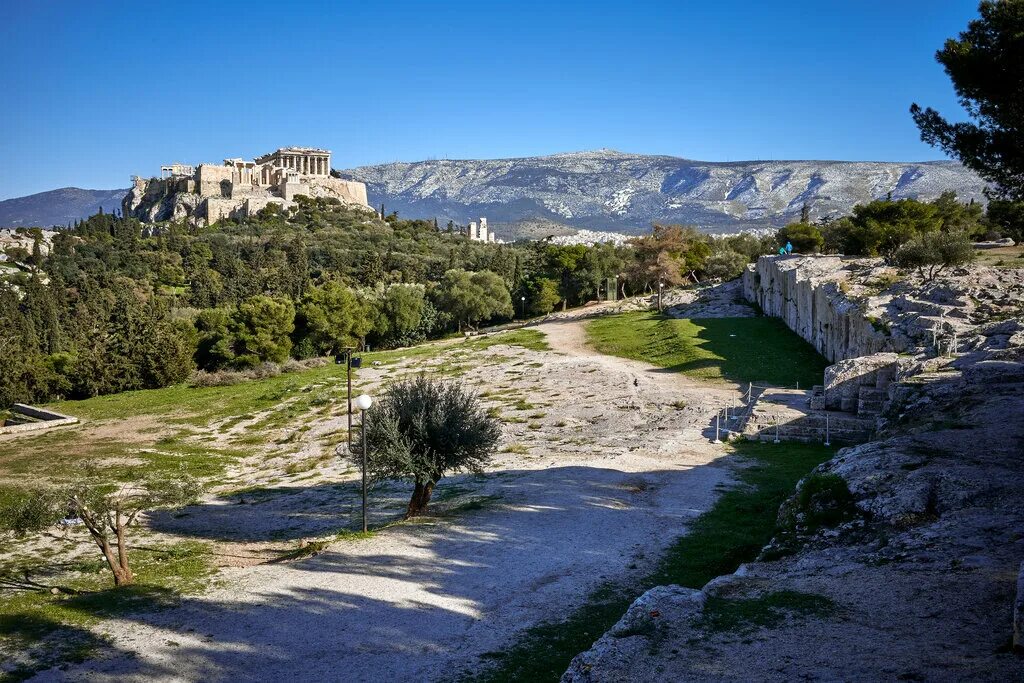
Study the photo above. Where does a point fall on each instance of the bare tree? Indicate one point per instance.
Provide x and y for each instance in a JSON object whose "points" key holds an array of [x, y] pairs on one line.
{"points": [[106, 510]]}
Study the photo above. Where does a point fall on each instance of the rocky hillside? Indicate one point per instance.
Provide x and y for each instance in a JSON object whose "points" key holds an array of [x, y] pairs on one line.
{"points": [[57, 207], [900, 558], [608, 190]]}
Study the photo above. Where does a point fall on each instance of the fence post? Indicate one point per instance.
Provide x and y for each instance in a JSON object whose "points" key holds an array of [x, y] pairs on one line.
{"points": [[718, 425]]}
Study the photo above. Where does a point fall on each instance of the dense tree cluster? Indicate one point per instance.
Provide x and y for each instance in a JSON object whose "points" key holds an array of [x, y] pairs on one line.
{"points": [[118, 305], [882, 227]]}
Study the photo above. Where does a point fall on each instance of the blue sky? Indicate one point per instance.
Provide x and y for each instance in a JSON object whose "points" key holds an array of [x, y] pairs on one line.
{"points": [[97, 91]]}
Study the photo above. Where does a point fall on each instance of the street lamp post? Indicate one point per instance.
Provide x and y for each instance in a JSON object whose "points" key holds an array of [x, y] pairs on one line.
{"points": [[522, 307], [660, 286], [350, 363], [363, 402]]}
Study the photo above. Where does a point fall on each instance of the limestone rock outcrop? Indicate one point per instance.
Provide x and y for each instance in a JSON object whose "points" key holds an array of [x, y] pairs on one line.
{"points": [[911, 569], [805, 292]]}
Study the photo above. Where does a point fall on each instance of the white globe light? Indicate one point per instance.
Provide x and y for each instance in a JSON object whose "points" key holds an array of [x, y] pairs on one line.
{"points": [[363, 402]]}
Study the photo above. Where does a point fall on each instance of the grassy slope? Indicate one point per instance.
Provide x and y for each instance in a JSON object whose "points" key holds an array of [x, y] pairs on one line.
{"points": [[735, 349], [60, 454]]}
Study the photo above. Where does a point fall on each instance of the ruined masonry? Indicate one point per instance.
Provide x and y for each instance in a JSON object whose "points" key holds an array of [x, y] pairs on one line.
{"points": [[478, 232], [238, 188]]}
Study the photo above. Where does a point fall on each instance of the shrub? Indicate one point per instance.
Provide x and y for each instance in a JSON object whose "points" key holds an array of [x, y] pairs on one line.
{"points": [[805, 238], [821, 501], [931, 253]]}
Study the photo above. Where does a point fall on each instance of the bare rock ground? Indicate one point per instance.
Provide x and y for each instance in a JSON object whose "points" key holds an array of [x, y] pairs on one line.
{"points": [[604, 461]]}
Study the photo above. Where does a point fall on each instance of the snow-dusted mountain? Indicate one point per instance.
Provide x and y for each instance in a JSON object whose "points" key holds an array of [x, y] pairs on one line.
{"points": [[609, 190]]}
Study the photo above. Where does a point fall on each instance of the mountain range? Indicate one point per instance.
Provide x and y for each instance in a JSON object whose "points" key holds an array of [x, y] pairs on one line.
{"points": [[57, 207], [597, 190], [612, 191]]}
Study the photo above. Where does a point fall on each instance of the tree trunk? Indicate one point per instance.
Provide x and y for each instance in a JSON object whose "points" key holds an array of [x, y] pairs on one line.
{"points": [[420, 499], [124, 574]]}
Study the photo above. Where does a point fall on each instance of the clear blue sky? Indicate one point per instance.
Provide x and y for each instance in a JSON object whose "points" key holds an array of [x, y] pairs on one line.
{"points": [[97, 91]]}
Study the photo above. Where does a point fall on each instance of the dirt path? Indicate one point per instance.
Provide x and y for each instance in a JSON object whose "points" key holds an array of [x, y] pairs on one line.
{"points": [[593, 482]]}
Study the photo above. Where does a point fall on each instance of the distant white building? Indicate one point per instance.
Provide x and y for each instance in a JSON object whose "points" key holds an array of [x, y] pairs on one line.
{"points": [[478, 231]]}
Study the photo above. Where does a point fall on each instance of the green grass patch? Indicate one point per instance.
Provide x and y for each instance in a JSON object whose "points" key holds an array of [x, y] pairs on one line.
{"points": [[534, 340], [734, 349], [745, 615], [201, 405], [732, 532]]}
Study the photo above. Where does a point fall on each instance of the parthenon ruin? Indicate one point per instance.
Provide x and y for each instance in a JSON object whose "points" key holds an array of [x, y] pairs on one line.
{"points": [[238, 188], [305, 160]]}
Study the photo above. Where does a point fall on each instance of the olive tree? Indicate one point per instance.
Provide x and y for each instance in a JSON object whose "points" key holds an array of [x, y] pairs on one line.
{"points": [[935, 252], [423, 429], [106, 510]]}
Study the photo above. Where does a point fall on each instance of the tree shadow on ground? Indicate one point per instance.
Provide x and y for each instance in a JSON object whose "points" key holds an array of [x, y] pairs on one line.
{"points": [[423, 600], [759, 350]]}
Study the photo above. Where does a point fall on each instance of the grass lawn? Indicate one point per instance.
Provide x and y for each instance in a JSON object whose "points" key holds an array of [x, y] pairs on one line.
{"points": [[733, 531], [159, 430], [1002, 257], [735, 349]]}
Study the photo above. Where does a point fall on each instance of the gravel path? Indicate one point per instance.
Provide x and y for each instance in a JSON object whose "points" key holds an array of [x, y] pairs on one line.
{"points": [[615, 474]]}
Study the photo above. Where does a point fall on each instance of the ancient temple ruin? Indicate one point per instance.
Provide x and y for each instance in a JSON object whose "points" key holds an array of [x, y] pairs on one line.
{"points": [[238, 188]]}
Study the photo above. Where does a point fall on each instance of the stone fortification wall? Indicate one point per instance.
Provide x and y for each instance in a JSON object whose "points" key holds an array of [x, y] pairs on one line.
{"points": [[806, 293], [213, 180]]}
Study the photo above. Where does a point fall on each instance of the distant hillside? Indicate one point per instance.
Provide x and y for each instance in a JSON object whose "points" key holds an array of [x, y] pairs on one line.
{"points": [[57, 207], [608, 190]]}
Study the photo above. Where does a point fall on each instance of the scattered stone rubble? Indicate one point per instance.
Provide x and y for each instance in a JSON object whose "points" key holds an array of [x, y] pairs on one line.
{"points": [[918, 575]]}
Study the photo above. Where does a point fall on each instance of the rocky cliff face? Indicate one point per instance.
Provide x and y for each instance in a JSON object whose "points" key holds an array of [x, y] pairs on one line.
{"points": [[608, 190], [156, 199], [918, 575], [805, 292], [849, 308]]}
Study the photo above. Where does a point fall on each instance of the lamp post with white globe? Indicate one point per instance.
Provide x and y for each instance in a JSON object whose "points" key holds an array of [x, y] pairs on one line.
{"points": [[363, 403], [522, 308]]}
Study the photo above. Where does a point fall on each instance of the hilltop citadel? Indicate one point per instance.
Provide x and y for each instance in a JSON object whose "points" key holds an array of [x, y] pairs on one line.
{"points": [[238, 188]]}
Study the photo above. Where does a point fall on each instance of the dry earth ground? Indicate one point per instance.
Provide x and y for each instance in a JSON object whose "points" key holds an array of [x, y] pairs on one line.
{"points": [[603, 462]]}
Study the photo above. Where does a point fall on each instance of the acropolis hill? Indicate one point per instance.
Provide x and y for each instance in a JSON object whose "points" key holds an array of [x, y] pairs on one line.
{"points": [[238, 188]]}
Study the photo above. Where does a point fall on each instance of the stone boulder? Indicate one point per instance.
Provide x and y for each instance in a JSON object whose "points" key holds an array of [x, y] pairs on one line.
{"points": [[615, 656], [844, 380]]}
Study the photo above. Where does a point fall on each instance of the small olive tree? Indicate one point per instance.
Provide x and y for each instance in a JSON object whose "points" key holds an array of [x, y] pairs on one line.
{"points": [[422, 429], [933, 252], [106, 510]]}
